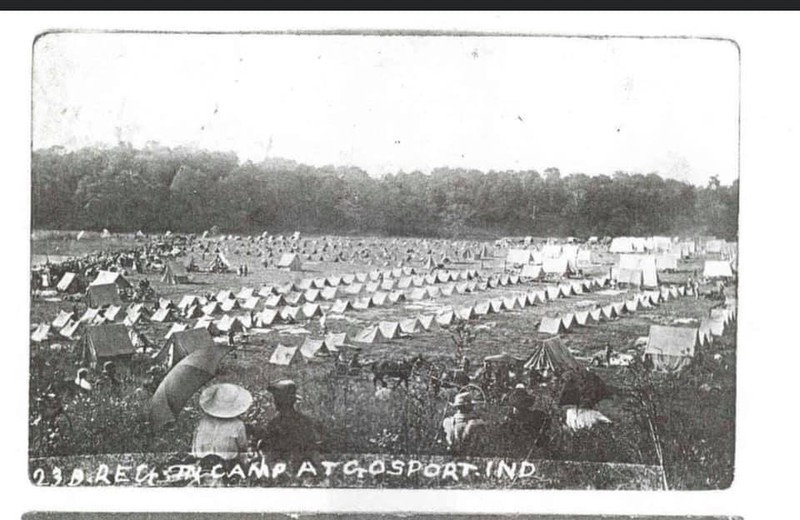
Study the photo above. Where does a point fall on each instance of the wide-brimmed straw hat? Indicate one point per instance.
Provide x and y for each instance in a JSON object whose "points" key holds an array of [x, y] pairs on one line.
{"points": [[225, 400], [462, 399]]}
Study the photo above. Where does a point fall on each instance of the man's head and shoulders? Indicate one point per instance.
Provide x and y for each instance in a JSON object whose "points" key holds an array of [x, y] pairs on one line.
{"points": [[289, 430]]}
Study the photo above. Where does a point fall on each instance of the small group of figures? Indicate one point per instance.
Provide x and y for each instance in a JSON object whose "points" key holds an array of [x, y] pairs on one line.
{"points": [[221, 435]]}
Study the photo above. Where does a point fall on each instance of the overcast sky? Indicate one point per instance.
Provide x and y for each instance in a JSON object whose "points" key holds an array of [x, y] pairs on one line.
{"points": [[400, 103]]}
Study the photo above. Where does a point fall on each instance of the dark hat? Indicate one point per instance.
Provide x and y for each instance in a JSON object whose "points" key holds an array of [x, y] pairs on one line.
{"points": [[285, 388]]}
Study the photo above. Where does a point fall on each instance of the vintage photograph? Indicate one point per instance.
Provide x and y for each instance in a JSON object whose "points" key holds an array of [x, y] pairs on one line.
{"points": [[383, 260]]}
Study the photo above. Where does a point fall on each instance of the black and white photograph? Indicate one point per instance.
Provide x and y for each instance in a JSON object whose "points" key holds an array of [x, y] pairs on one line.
{"points": [[400, 259]]}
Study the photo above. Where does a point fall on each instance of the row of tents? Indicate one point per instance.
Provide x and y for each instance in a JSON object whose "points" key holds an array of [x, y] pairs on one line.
{"points": [[278, 306], [290, 253], [567, 321], [667, 347], [388, 330]]}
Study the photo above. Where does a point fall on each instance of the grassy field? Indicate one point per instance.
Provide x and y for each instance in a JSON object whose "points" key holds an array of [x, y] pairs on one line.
{"points": [[697, 406]]}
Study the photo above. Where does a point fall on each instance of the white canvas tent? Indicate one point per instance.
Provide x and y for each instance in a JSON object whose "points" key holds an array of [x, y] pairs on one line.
{"points": [[285, 356], [551, 325], [314, 348], [290, 261], [671, 348], [717, 269], [518, 257]]}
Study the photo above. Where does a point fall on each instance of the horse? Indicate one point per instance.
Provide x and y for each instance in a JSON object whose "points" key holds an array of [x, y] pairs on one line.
{"points": [[401, 369]]}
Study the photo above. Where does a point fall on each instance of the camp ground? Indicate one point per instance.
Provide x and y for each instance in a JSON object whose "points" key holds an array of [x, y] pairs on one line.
{"points": [[427, 231], [309, 307]]}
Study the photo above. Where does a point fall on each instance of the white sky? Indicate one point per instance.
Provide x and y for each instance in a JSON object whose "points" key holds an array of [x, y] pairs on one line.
{"points": [[402, 102]]}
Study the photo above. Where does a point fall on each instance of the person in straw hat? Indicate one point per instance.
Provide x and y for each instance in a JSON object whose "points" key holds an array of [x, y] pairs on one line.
{"points": [[221, 432], [465, 427], [290, 435]]}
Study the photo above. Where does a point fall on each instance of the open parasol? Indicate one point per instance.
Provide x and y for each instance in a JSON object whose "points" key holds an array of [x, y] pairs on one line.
{"points": [[182, 382]]}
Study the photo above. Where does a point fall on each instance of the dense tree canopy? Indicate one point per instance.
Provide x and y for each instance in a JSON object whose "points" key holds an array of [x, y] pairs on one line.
{"points": [[158, 188]]}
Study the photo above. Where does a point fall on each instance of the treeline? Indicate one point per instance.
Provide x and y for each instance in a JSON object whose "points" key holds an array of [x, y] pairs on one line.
{"points": [[157, 188]]}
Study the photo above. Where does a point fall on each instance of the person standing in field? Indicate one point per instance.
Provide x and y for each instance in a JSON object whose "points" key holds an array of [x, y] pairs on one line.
{"points": [[221, 434], [323, 323]]}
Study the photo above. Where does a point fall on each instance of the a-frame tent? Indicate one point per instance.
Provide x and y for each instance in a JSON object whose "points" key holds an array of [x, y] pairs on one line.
{"points": [[290, 261], [314, 348], [175, 273], [671, 348], [102, 295], [106, 277], [552, 355], [106, 343], [551, 325], [285, 356]]}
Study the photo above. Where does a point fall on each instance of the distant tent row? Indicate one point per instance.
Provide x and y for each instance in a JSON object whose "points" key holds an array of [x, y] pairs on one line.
{"points": [[385, 331], [326, 249], [554, 325], [534, 264], [283, 298], [640, 244]]}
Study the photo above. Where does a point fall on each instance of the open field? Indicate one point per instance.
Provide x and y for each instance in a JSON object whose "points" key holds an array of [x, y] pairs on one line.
{"points": [[697, 405]]}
